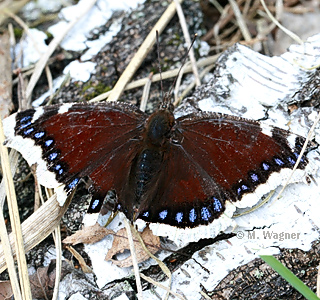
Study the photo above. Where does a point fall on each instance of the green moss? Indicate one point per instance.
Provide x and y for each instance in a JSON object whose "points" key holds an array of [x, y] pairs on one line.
{"points": [[176, 39], [49, 35], [91, 90], [18, 32]]}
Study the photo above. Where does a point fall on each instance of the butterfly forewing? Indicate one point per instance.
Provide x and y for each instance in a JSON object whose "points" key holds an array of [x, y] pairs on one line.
{"points": [[75, 139], [235, 152]]}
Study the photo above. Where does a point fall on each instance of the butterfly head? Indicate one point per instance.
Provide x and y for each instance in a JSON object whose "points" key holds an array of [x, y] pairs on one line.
{"points": [[166, 103]]}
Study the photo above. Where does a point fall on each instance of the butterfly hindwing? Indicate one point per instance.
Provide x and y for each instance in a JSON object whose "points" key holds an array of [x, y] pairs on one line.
{"points": [[186, 197]]}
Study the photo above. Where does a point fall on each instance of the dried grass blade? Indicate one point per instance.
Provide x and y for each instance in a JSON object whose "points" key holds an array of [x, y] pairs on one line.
{"points": [[134, 258], [5, 76], [15, 220], [186, 34], [145, 94], [12, 6], [241, 22], [57, 240], [38, 226], [275, 21], [9, 259]]}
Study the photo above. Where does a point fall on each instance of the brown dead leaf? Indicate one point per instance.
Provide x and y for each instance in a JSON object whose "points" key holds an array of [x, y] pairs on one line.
{"points": [[5, 290], [88, 235], [42, 281], [120, 244]]}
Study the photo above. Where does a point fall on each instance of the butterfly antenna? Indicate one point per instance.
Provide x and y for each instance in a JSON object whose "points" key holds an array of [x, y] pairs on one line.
{"points": [[182, 65], [159, 66]]}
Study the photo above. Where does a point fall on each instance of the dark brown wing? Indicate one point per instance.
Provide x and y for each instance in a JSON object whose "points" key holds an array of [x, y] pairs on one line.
{"points": [[217, 157], [71, 141]]}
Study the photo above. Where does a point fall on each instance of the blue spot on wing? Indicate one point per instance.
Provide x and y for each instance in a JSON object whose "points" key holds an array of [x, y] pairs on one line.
{"points": [[39, 135], [73, 183], [145, 214], [24, 119], [297, 155], [265, 166], [95, 203], [53, 155], [25, 125], [28, 131], [48, 142], [244, 187], [59, 169], [163, 214], [217, 205], [192, 215], [279, 161], [205, 213], [179, 217], [291, 161], [254, 177]]}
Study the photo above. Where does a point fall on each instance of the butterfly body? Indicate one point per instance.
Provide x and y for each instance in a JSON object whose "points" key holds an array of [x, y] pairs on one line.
{"points": [[146, 165]]}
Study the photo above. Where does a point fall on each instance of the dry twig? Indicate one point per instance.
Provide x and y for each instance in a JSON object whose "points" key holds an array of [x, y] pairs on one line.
{"points": [[6, 104]]}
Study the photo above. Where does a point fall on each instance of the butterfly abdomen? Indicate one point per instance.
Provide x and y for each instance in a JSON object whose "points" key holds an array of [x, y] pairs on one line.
{"points": [[147, 168]]}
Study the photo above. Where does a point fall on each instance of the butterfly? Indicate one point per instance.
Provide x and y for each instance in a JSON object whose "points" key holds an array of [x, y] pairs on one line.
{"points": [[176, 171]]}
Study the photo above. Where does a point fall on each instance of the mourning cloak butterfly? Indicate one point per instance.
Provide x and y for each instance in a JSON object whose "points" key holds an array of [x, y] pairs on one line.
{"points": [[174, 171]]}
